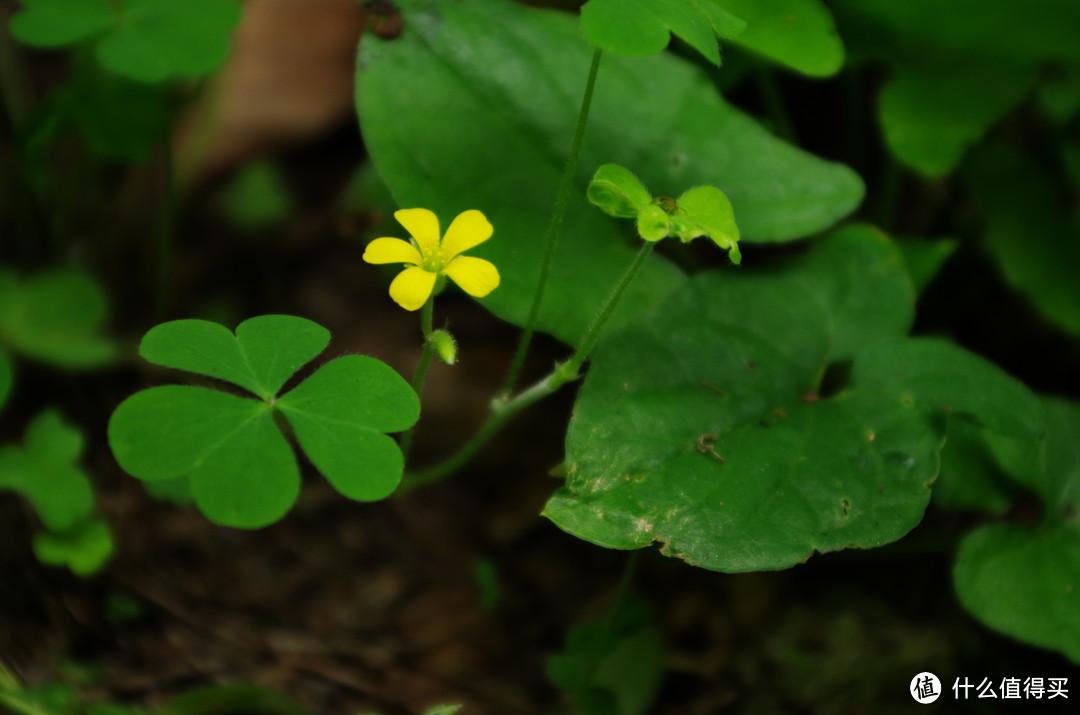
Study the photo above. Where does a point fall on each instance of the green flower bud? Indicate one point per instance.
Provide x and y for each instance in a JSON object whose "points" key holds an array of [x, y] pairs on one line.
{"points": [[445, 347]]}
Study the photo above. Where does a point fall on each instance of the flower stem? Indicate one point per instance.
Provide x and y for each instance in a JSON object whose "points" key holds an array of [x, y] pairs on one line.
{"points": [[421, 367], [503, 409], [554, 232]]}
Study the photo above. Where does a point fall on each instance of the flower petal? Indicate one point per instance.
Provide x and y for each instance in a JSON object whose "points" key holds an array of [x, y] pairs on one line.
{"points": [[392, 250], [470, 228], [423, 226], [412, 288], [476, 276]]}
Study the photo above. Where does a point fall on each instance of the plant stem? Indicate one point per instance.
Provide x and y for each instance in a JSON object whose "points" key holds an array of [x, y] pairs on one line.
{"points": [[9, 696], [592, 334], [420, 375], [770, 94], [503, 410], [554, 232], [165, 233]]}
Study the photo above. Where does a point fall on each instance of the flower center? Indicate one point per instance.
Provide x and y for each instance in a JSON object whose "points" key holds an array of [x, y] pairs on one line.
{"points": [[433, 262]]}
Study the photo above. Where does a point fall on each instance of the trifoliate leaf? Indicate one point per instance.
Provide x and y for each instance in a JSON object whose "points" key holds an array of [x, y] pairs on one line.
{"points": [[144, 40], [242, 471], [85, 548], [44, 472], [55, 316], [644, 27]]}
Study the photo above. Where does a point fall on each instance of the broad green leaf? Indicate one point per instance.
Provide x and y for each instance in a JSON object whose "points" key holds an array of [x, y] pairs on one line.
{"points": [[44, 472], [857, 275], [797, 33], [1024, 582], [971, 479], [243, 472], [263, 354], [506, 82], [1018, 30], [950, 380], [1028, 232], [931, 117], [699, 425], [642, 27], [144, 40], [55, 23], [7, 376], [617, 192], [340, 414], [84, 549], [55, 316]]}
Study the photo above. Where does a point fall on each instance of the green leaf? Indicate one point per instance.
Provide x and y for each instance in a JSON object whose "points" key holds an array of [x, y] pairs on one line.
{"points": [[7, 376], [1028, 232], [144, 40], [442, 709], [340, 414], [971, 479], [698, 425], [55, 23], [55, 316], [1023, 582], [225, 699], [263, 354], [949, 380], [653, 223], [242, 471], [931, 117], [506, 82], [710, 210], [642, 27], [796, 33], [256, 198], [924, 259], [84, 549], [617, 192], [117, 118], [857, 275], [44, 472]]}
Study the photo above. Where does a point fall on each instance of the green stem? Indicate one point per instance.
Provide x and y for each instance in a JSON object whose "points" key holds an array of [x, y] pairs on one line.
{"points": [[165, 234], [503, 410], [420, 375], [770, 94], [554, 232], [592, 334], [10, 696]]}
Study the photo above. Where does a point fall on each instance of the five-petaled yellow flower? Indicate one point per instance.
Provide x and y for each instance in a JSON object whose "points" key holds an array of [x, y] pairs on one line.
{"points": [[429, 257]]}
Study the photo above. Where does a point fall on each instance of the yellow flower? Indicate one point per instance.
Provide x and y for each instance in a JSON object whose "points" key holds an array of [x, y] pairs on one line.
{"points": [[428, 257]]}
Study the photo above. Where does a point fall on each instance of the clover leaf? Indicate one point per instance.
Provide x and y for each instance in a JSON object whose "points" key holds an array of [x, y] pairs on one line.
{"points": [[144, 40], [84, 548], [44, 472], [55, 316], [644, 27], [242, 471], [700, 211]]}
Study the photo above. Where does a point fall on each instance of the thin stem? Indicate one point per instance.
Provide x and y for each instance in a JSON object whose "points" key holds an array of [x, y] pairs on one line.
{"points": [[503, 410], [770, 94], [12, 700], [166, 230], [593, 333], [554, 232], [420, 375]]}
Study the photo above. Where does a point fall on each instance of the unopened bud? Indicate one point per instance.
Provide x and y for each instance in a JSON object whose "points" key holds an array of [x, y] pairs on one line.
{"points": [[445, 347]]}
